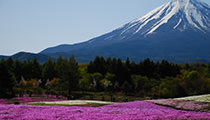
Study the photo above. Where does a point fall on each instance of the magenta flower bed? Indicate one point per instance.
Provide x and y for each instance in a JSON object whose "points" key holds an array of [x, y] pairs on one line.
{"points": [[123, 111], [33, 98]]}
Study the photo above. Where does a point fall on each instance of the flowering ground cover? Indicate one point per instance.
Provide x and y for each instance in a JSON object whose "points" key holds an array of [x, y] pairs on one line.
{"points": [[183, 104], [194, 103], [33, 98], [138, 110]]}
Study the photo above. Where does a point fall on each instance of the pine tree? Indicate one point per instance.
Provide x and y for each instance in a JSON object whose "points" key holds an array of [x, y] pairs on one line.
{"points": [[17, 70], [48, 71], [71, 76], [7, 82]]}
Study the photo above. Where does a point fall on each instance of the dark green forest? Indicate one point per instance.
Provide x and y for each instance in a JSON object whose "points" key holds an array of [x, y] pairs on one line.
{"points": [[65, 76]]}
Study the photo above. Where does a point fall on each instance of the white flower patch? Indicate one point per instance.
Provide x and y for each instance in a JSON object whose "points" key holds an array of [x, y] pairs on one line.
{"points": [[200, 98], [77, 102]]}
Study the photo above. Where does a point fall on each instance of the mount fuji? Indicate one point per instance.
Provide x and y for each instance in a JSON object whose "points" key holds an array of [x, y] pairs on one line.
{"points": [[178, 31]]}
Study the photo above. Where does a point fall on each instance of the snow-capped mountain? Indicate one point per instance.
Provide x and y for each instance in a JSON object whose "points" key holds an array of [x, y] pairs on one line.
{"points": [[178, 30], [177, 15]]}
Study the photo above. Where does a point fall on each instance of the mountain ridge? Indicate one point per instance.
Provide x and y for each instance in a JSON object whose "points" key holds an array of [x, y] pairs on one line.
{"points": [[22, 56]]}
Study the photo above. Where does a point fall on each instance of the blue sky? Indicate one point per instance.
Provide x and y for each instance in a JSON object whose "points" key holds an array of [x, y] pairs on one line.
{"points": [[33, 25]]}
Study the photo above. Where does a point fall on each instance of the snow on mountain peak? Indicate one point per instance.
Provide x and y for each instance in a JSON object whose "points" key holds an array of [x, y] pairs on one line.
{"points": [[193, 13]]}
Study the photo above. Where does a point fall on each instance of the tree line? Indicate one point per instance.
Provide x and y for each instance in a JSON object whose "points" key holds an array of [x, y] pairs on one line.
{"points": [[63, 76], [32, 77]]}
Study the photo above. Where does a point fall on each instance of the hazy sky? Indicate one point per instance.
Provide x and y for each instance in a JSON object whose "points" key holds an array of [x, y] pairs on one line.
{"points": [[33, 25]]}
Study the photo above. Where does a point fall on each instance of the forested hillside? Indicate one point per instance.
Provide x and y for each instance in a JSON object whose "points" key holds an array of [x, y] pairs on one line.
{"points": [[112, 75]]}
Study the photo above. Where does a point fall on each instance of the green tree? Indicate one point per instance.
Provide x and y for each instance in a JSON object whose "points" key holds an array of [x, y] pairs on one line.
{"points": [[7, 82], [71, 76], [9, 63], [200, 67], [108, 82], [60, 66], [98, 65], [55, 86], [95, 79], [208, 68], [166, 69], [26, 69], [206, 86], [84, 84], [127, 63], [17, 70], [109, 64], [48, 71], [110, 77], [208, 71], [32, 86], [193, 80], [21, 86], [147, 68], [139, 82], [171, 87], [126, 87], [122, 73], [29, 69], [149, 85], [36, 69]]}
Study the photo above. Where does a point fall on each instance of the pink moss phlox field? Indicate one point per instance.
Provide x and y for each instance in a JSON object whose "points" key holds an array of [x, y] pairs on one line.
{"points": [[138, 110], [183, 104], [33, 98]]}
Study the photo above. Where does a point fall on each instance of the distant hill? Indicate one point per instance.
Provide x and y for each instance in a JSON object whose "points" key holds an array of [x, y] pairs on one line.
{"points": [[24, 56]]}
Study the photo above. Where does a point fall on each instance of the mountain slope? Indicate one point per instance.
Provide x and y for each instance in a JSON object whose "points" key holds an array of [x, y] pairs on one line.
{"points": [[178, 30]]}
